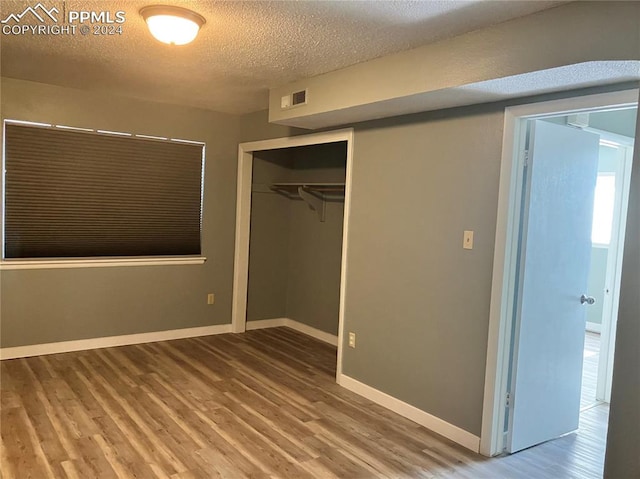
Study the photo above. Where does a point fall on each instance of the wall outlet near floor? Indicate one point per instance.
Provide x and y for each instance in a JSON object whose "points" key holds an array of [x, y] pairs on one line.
{"points": [[211, 298], [352, 340]]}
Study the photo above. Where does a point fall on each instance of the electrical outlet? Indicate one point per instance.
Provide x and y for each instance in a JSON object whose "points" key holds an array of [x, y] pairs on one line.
{"points": [[211, 298], [352, 340]]}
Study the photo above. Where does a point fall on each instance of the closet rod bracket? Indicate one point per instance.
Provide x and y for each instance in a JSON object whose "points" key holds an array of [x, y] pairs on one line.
{"points": [[319, 205]]}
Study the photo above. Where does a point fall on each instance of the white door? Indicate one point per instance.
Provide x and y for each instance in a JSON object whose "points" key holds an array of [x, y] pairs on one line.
{"points": [[555, 251]]}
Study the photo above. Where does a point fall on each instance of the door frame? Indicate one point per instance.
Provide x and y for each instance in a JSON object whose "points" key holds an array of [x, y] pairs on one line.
{"points": [[613, 273], [504, 278], [243, 222]]}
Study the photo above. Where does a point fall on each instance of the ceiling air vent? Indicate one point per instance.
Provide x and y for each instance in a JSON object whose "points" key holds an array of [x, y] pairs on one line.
{"points": [[299, 98]]}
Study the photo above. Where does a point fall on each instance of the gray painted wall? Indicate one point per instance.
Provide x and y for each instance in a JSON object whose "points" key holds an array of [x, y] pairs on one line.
{"points": [[417, 301], [621, 122], [315, 248], [255, 126], [294, 259], [623, 447], [269, 237], [41, 306]]}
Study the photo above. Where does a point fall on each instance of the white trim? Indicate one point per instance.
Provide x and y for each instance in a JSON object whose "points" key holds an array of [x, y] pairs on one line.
{"points": [[594, 327], [266, 323], [501, 301], [300, 140], [345, 252], [241, 255], [433, 423], [243, 219], [107, 132], [98, 262], [614, 275], [111, 341], [293, 324], [503, 279], [313, 332]]}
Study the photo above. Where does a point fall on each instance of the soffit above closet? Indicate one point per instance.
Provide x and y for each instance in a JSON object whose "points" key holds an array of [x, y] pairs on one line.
{"points": [[570, 77]]}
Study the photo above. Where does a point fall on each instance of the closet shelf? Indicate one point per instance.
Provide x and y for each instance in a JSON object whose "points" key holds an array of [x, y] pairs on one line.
{"points": [[314, 194]]}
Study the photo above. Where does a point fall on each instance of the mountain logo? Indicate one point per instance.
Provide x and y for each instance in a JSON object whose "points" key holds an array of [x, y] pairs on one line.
{"points": [[39, 11]]}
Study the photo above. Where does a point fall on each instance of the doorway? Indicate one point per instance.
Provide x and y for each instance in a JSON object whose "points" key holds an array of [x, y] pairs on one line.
{"points": [[523, 405], [245, 184], [296, 239], [607, 239], [570, 203]]}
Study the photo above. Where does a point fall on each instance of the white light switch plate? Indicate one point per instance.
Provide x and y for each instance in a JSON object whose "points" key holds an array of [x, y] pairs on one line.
{"points": [[467, 242]]}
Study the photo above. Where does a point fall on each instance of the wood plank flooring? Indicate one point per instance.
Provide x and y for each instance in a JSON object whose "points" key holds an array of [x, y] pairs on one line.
{"points": [[262, 404]]}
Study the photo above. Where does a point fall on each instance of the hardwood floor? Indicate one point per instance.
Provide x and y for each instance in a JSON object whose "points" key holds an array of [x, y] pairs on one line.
{"points": [[261, 404]]}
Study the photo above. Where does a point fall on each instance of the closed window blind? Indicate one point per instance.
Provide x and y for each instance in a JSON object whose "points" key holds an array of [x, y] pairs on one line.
{"points": [[85, 194]]}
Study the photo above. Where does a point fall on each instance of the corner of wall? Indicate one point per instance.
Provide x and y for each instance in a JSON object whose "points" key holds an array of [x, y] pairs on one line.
{"points": [[255, 126]]}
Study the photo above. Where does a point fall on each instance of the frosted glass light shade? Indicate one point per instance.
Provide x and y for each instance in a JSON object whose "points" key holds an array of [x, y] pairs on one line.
{"points": [[172, 25]]}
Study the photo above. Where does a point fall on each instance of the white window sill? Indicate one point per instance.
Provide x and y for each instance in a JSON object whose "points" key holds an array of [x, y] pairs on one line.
{"points": [[100, 262]]}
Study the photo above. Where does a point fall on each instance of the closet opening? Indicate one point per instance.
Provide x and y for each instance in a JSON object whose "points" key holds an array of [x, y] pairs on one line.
{"points": [[292, 219]]}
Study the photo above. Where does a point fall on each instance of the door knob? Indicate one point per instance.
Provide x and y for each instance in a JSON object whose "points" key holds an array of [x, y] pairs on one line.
{"points": [[587, 299]]}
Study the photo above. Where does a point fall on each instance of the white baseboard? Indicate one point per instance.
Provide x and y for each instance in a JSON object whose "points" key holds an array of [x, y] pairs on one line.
{"points": [[129, 339], [266, 323], [298, 326], [110, 341], [433, 423], [594, 327], [313, 332]]}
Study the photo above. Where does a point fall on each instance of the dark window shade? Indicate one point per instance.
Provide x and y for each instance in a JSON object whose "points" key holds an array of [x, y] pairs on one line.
{"points": [[77, 194]]}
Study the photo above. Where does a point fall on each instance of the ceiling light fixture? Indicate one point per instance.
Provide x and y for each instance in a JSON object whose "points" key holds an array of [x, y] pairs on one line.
{"points": [[172, 25]]}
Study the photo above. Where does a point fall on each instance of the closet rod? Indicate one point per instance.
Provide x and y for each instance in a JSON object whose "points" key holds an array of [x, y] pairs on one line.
{"points": [[314, 194]]}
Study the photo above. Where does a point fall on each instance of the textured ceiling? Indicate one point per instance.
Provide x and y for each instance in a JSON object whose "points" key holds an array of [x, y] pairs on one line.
{"points": [[245, 48]]}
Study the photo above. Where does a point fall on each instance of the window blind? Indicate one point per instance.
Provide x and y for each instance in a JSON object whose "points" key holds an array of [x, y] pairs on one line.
{"points": [[84, 194]]}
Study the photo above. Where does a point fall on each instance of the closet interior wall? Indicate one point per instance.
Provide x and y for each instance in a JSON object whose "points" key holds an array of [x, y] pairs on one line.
{"points": [[294, 258]]}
